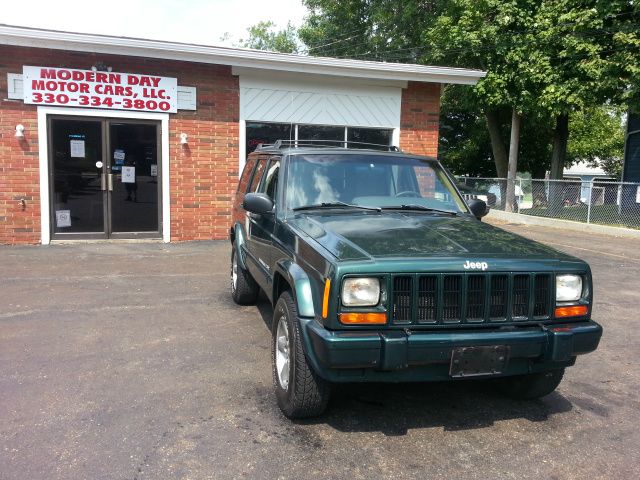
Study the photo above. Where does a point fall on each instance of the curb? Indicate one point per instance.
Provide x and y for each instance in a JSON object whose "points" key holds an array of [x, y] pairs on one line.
{"points": [[499, 215]]}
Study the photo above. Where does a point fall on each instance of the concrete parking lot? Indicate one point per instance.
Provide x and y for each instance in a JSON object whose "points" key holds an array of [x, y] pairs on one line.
{"points": [[130, 361]]}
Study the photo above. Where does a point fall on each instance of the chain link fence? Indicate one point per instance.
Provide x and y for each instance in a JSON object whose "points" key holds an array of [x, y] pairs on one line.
{"points": [[590, 201]]}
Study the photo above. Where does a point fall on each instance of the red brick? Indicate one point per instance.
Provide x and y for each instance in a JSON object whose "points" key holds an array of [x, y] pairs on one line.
{"points": [[419, 118]]}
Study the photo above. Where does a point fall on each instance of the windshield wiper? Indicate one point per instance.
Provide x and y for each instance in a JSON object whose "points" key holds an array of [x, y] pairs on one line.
{"points": [[336, 204], [415, 206]]}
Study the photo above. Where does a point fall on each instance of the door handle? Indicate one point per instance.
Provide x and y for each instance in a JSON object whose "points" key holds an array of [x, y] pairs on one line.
{"points": [[110, 181], [103, 181]]}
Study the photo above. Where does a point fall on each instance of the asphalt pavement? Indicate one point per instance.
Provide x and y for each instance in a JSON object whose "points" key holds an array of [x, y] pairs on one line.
{"points": [[130, 361]]}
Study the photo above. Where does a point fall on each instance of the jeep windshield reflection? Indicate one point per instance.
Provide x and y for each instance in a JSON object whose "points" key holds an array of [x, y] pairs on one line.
{"points": [[369, 181]]}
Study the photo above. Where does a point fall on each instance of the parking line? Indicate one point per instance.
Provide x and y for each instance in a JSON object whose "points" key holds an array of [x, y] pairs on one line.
{"points": [[637, 260]]}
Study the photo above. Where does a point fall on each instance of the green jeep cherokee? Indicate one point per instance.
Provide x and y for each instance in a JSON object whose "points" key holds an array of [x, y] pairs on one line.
{"points": [[378, 271]]}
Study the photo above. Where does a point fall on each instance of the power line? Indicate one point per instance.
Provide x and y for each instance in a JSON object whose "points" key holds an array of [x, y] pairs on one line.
{"points": [[398, 58], [331, 43], [420, 49], [338, 38], [319, 45], [405, 57]]}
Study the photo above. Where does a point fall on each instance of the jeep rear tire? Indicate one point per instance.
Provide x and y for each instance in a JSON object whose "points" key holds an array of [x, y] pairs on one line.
{"points": [[530, 386], [244, 289], [300, 392]]}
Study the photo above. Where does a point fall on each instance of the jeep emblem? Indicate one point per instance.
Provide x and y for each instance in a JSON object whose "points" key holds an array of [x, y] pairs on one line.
{"points": [[476, 265]]}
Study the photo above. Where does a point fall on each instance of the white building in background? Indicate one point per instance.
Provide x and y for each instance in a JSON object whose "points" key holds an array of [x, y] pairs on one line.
{"points": [[586, 173]]}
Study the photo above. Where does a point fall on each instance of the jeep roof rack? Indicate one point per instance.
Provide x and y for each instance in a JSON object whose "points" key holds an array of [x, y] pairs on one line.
{"points": [[280, 144]]}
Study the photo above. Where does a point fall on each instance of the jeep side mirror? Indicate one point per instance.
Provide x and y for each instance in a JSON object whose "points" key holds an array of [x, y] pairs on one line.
{"points": [[257, 203], [478, 208]]}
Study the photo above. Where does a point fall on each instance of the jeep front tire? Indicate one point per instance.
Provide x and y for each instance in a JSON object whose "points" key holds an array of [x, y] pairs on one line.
{"points": [[300, 392], [244, 289]]}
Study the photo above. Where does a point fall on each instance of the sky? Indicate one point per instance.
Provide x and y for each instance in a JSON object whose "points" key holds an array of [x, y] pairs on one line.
{"points": [[190, 21]]}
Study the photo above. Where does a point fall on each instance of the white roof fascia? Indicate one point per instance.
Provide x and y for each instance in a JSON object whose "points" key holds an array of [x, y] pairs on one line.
{"points": [[235, 57], [260, 76]]}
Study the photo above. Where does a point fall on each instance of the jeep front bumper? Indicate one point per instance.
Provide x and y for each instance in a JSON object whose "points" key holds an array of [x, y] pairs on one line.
{"points": [[418, 355]]}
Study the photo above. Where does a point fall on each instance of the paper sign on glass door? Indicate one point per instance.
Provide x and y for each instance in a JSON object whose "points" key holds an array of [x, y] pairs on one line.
{"points": [[154, 170], [63, 218], [77, 148], [128, 174]]}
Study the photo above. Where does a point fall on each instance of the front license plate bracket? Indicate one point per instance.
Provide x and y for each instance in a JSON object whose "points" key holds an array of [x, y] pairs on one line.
{"points": [[479, 361]]}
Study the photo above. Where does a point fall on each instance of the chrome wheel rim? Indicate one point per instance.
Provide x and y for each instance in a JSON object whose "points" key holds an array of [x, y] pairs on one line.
{"points": [[234, 272], [282, 353]]}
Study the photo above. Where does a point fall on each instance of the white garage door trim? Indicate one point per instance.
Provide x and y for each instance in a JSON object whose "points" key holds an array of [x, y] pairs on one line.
{"points": [[317, 100]]}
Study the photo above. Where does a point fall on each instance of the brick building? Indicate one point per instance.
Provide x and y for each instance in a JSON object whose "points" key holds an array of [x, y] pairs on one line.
{"points": [[110, 137]]}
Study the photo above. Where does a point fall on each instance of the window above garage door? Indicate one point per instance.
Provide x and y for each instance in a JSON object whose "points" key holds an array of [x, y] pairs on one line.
{"points": [[264, 133]]}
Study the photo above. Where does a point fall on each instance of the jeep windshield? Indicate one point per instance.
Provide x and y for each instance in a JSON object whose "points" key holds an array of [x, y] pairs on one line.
{"points": [[369, 181]]}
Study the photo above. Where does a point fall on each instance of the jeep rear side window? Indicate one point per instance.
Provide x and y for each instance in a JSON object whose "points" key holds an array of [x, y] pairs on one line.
{"points": [[270, 183], [257, 176], [246, 175]]}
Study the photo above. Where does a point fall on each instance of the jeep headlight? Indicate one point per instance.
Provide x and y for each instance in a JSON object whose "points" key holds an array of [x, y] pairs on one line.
{"points": [[360, 292], [568, 288]]}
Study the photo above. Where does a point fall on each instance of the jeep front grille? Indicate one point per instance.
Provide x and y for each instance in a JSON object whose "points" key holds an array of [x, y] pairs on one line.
{"points": [[402, 287], [475, 298], [470, 298], [427, 309], [498, 297]]}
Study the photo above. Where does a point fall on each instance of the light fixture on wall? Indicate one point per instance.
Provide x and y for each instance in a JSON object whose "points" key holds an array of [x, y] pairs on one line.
{"points": [[19, 131], [184, 139]]}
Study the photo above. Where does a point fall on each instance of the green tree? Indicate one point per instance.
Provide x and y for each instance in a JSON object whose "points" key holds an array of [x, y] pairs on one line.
{"points": [[589, 55], [473, 34], [265, 36], [546, 59], [597, 137], [470, 33], [465, 144], [386, 30]]}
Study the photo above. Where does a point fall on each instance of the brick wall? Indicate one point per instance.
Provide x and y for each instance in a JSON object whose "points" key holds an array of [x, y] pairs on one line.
{"points": [[19, 171], [203, 175], [419, 118]]}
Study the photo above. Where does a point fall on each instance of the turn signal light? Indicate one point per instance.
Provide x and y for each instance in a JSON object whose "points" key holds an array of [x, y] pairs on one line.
{"points": [[363, 318], [573, 311], [325, 298]]}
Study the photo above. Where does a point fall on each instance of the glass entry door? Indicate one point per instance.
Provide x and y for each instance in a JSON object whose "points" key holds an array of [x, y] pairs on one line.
{"points": [[133, 168], [104, 178]]}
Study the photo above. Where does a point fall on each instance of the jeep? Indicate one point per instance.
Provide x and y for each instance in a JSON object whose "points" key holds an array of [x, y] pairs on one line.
{"points": [[378, 271]]}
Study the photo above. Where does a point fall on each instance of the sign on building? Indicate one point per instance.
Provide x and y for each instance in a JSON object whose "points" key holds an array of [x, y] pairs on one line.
{"points": [[68, 87]]}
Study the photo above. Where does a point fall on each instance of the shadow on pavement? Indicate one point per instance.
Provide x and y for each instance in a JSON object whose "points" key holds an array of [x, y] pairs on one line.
{"points": [[394, 409]]}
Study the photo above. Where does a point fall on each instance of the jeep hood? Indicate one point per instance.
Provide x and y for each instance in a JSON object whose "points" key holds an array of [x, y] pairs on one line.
{"points": [[371, 235]]}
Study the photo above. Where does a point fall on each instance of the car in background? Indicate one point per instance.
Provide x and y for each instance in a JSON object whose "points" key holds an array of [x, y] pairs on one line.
{"points": [[469, 193]]}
